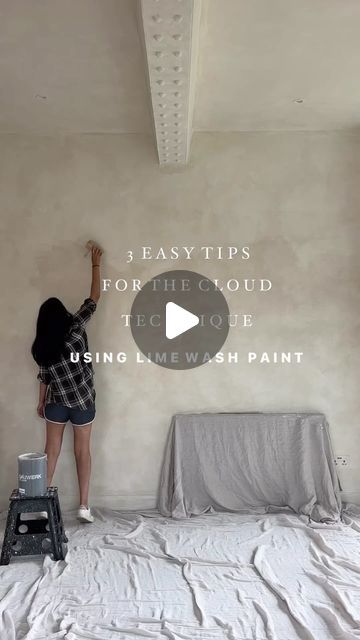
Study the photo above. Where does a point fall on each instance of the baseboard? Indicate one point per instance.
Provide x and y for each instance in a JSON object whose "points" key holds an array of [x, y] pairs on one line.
{"points": [[69, 501], [111, 501]]}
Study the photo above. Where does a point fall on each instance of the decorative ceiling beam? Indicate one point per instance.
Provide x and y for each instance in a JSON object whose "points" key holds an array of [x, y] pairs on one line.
{"points": [[170, 34]]}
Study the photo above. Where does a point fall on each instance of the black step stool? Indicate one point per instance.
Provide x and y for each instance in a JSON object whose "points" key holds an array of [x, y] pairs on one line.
{"points": [[32, 537]]}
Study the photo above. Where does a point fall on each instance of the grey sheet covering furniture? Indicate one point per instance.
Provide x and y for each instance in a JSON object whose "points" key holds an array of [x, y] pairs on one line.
{"points": [[249, 462]]}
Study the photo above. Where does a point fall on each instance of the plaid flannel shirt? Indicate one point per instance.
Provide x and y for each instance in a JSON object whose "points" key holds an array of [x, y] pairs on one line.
{"points": [[72, 383]]}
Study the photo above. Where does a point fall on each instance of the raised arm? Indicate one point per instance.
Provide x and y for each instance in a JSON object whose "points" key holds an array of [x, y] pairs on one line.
{"points": [[96, 254]]}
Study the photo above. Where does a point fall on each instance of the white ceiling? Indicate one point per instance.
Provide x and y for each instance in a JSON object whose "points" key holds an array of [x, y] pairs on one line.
{"points": [[83, 55], [256, 58]]}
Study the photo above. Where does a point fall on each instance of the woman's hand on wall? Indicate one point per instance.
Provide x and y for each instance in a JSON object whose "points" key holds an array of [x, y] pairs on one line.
{"points": [[96, 254]]}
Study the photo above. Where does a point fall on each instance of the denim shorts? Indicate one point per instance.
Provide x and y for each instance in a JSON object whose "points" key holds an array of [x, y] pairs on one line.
{"points": [[60, 414]]}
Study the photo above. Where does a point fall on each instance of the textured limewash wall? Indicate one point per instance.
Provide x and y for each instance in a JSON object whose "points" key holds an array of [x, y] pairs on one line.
{"points": [[293, 198]]}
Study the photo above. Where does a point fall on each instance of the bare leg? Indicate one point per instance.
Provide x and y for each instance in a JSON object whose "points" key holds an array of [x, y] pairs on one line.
{"points": [[83, 460], [54, 436]]}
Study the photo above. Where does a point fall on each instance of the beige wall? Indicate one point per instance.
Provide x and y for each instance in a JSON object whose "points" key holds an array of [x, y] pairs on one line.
{"points": [[292, 197]]}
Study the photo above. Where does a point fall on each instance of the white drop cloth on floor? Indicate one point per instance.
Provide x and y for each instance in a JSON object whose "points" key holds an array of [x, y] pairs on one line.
{"points": [[215, 576]]}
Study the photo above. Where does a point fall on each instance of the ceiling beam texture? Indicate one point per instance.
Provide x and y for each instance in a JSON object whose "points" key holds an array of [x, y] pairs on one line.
{"points": [[171, 33]]}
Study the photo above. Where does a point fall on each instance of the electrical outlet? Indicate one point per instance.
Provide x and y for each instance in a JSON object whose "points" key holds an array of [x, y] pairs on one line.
{"points": [[342, 460]]}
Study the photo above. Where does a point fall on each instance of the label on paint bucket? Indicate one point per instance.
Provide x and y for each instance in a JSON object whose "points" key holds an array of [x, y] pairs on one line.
{"points": [[24, 478]]}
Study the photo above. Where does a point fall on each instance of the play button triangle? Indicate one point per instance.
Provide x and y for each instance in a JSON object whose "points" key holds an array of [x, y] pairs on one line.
{"points": [[178, 320]]}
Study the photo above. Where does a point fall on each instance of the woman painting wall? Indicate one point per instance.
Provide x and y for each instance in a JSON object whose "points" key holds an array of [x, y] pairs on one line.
{"points": [[67, 389]]}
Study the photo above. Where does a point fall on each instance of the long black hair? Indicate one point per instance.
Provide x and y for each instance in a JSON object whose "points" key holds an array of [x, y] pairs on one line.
{"points": [[52, 326]]}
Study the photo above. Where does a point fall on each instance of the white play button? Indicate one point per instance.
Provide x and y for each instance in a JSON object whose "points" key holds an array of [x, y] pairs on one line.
{"points": [[178, 320]]}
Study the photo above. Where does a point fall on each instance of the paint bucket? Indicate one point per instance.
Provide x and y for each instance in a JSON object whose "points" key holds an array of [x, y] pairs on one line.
{"points": [[32, 474]]}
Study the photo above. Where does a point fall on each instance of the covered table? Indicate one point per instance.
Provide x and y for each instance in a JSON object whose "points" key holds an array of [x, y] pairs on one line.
{"points": [[249, 462]]}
